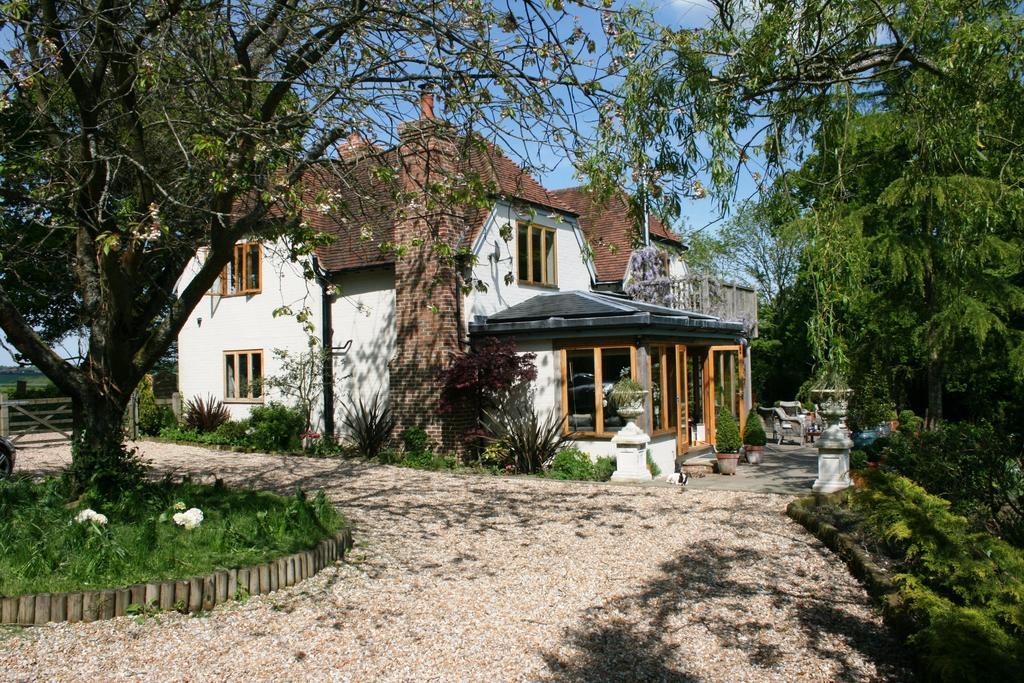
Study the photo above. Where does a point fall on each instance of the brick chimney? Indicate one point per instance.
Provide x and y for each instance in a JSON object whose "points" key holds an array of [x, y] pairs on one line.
{"points": [[354, 147], [427, 309]]}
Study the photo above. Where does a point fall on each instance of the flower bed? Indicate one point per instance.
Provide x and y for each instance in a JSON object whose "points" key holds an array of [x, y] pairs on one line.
{"points": [[88, 559]]}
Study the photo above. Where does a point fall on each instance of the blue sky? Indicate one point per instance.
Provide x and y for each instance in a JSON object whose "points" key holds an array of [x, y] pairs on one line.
{"points": [[697, 214]]}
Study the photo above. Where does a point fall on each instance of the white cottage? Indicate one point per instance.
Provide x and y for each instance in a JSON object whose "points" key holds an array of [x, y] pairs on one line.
{"points": [[545, 268]]}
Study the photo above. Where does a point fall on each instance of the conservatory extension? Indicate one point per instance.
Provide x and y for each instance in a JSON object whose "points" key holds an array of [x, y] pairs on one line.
{"points": [[691, 364]]}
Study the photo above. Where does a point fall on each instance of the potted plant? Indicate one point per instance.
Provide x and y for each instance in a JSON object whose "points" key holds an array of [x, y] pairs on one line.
{"points": [[627, 395], [727, 442], [754, 439]]}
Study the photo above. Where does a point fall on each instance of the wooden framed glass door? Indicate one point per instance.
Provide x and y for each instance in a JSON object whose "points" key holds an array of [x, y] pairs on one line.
{"points": [[682, 406], [723, 386]]}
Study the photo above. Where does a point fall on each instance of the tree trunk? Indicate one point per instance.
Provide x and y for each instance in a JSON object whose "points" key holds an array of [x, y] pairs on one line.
{"points": [[934, 376], [99, 458]]}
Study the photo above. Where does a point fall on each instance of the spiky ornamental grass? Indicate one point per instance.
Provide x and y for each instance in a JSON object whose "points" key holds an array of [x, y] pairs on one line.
{"points": [[44, 549]]}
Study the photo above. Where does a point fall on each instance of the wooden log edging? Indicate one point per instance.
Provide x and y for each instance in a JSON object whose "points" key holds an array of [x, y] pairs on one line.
{"points": [[194, 594], [878, 584]]}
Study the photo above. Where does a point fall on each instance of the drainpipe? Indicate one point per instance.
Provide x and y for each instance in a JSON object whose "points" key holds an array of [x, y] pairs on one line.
{"points": [[327, 345], [461, 340], [647, 220]]}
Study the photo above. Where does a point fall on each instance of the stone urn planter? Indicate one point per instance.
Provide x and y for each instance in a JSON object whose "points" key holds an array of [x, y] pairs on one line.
{"points": [[754, 454], [631, 441], [834, 445]]}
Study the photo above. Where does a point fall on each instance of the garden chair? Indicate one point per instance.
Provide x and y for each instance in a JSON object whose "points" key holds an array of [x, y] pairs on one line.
{"points": [[786, 425]]}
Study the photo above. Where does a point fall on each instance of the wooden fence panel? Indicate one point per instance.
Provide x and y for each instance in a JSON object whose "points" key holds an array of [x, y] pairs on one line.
{"points": [[50, 417]]}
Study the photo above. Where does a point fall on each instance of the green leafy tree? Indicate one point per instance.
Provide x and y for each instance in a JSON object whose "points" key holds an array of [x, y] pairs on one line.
{"points": [[135, 132], [937, 228], [698, 107]]}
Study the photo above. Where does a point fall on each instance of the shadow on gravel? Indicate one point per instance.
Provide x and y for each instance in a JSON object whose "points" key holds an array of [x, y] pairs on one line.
{"points": [[636, 643]]}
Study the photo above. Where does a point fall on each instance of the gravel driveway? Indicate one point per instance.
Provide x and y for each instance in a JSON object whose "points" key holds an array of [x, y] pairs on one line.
{"points": [[487, 578]]}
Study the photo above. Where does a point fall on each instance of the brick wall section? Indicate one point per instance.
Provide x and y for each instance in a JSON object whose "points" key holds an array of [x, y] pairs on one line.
{"points": [[426, 312]]}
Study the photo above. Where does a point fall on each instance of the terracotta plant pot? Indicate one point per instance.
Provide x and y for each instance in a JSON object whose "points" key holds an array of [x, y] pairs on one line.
{"points": [[754, 454], [727, 462]]}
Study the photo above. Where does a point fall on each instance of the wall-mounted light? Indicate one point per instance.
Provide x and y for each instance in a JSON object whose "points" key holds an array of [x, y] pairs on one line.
{"points": [[199, 322]]}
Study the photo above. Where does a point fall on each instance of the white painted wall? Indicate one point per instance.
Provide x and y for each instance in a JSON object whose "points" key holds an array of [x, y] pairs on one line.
{"points": [[547, 387], [364, 312], [220, 324], [575, 272], [677, 265]]}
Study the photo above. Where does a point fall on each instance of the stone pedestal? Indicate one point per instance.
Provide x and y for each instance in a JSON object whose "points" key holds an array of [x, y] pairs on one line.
{"points": [[833, 461], [631, 454]]}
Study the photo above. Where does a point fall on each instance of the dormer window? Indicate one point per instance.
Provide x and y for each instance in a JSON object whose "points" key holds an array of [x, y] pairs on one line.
{"points": [[243, 275], [536, 251]]}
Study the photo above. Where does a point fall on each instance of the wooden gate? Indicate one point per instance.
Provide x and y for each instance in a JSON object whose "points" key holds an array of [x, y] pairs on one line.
{"points": [[50, 418]]}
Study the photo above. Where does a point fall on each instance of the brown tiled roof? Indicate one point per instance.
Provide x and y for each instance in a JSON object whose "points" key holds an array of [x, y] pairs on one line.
{"points": [[363, 227], [509, 179], [607, 229], [363, 223]]}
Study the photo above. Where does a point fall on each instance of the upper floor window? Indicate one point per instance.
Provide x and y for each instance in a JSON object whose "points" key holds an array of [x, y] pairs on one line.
{"points": [[537, 259], [244, 273]]}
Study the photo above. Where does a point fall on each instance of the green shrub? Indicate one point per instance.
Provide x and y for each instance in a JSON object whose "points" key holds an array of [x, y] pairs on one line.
{"points": [[753, 434], [876, 450], [42, 548], [727, 433], [972, 465], [572, 463], [415, 440], [604, 468], [496, 455], [184, 434], [150, 419], [228, 434], [324, 447], [233, 433], [964, 589], [276, 427], [909, 422], [858, 460], [652, 466], [427, 460]]}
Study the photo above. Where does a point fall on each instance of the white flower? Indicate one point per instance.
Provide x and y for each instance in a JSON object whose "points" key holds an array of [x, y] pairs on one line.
{"points": [[189, 519], [179, 505], [90, 515]]}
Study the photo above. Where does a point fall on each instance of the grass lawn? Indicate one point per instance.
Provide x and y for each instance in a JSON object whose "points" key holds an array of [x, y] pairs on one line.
{"points": [[43, 548]]}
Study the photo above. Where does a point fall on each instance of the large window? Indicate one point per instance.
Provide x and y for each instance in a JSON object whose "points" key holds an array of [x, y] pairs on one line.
{"points": [[243, 376], [243, 274], [537, 257], [587, 376], [664, 397]]}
